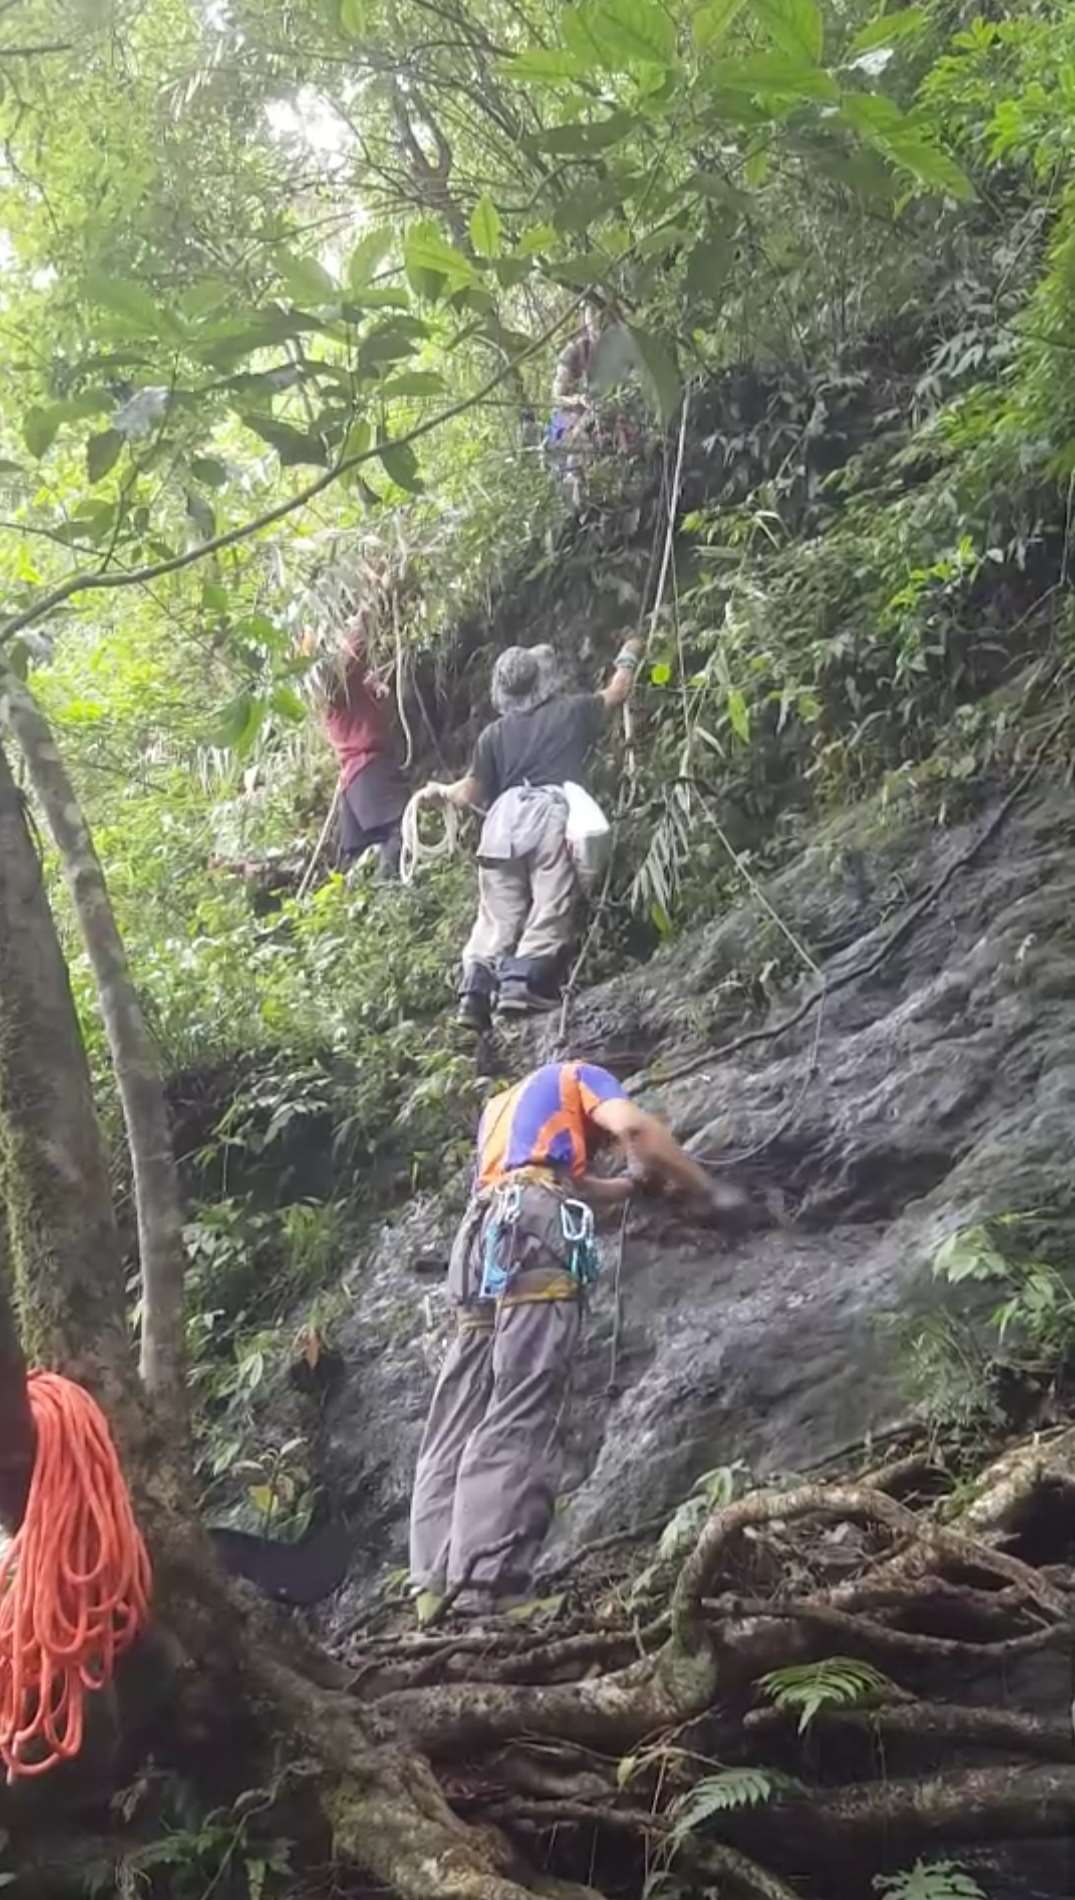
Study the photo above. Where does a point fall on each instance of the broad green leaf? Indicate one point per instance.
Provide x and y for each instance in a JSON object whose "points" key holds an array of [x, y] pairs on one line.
{"points": [[306, 280], [544, 66], [102, 453], [584, 138], [353, 17], [659, 373], [712, 21], [414, 382], [485, 227], [661, 673], [904, 142], [794, 25], [887, 29], [709, 266], [425, 250], [359, 436], [287, 703], [630, 31], [389, 343], [293, 446], [401, 464], [214, 597], [206, 468], [39, 428], [133, 305], [510, 271], [738, 715], [8, 467], [370, 252], [591, 268], [239, 723], [658, 243], [201, 514], [773, 75], [536, 237]]}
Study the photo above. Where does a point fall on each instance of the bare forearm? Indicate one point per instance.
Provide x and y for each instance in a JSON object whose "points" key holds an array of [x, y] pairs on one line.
{"points": [[604, 1190], [652, 1150]]}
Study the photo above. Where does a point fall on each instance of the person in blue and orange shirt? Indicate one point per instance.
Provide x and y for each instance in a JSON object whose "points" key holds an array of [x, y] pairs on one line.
{"points": [[489, 1463]]}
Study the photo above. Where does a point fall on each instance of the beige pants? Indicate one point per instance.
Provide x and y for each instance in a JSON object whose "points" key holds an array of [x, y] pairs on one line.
{"points": [[526, 905]]}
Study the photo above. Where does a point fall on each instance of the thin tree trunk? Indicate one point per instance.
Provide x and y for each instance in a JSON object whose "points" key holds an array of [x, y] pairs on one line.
{"points": [[16, 1424], [134, 1055]]}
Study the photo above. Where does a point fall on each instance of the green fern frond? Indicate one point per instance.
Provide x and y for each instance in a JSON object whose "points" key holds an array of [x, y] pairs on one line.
{"points": [[838, 1681], [732, 1788], [929, 1880]]}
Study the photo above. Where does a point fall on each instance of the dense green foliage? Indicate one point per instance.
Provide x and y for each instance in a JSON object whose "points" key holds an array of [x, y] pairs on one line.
{"points": [[279, 284]]}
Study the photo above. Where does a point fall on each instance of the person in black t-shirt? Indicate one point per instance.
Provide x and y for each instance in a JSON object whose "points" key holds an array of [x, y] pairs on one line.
{"points": [[527, 888]]}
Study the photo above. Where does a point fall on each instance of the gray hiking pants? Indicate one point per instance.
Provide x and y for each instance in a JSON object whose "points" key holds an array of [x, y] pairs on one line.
{"points": [[526, 904], [489, 1464]]}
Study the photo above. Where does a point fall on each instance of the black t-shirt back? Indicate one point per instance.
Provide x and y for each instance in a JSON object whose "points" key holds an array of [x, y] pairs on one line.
{"points": [[545, 747]]}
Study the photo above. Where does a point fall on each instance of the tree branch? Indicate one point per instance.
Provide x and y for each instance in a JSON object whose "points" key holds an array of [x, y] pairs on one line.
{"points": [[136, 576]]}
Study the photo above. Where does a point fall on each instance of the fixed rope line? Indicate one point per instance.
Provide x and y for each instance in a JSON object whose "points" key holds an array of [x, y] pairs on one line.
{"points": [[307, 875], [769, 1032], [662, 578]]}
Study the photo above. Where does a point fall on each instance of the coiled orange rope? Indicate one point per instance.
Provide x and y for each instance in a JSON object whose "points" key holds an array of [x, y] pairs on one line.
{"points": [[74, 1583]]}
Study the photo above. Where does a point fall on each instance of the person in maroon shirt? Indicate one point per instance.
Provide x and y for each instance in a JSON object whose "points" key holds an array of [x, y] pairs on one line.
{"points": [[373, 791]]}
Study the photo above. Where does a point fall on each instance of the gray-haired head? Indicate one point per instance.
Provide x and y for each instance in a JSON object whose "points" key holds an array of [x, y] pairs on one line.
{"points": [[524, 677]]}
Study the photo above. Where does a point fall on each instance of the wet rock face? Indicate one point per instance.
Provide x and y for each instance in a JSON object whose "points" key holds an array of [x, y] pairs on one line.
{"points": [[941, 1087]]}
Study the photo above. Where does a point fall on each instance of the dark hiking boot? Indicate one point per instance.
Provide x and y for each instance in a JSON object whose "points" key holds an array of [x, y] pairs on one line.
{"points": [[518, 999], [474, 1013]]}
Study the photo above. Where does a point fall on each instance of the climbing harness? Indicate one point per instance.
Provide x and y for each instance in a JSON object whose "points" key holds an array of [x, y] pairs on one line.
{"points": [[583, 1257], [414, 850], [74, 1582]]}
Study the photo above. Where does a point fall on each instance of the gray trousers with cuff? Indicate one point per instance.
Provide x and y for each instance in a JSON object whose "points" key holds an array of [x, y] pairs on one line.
{"points": [[526, 904], [490, 1460]]}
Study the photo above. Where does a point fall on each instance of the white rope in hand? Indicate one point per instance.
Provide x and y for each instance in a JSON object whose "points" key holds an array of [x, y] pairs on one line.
{"points": [[414, 851]]}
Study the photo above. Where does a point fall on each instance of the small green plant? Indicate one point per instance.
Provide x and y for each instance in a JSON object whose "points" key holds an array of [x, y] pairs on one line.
{"points": [[1035, 1322], [715, 1794], [839, 1682], [929, 1880]]}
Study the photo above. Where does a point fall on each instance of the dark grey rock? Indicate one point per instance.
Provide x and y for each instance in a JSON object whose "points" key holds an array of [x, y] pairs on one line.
{"points": [[944, 1089]]}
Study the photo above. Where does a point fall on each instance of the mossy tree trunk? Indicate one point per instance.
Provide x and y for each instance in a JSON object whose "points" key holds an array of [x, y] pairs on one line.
{"points": [[134, 1055]]}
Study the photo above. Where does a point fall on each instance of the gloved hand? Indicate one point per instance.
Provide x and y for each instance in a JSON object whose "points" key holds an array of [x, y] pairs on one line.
{"points": [[433, 793]]}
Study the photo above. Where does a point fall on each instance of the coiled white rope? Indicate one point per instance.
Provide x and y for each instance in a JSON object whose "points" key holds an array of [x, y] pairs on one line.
{"points": [[414, 850]]}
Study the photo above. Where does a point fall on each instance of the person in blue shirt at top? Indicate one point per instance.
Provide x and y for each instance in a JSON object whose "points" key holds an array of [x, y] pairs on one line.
{"points": [[489, 1463]]}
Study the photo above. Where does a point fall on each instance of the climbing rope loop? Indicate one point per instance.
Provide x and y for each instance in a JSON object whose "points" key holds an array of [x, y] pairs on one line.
{"points": [[75, 1581], [415, 851]]}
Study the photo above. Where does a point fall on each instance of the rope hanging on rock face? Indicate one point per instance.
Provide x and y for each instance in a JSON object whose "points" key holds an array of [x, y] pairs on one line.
{"points": [[74, 1582], [414, 851]]}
